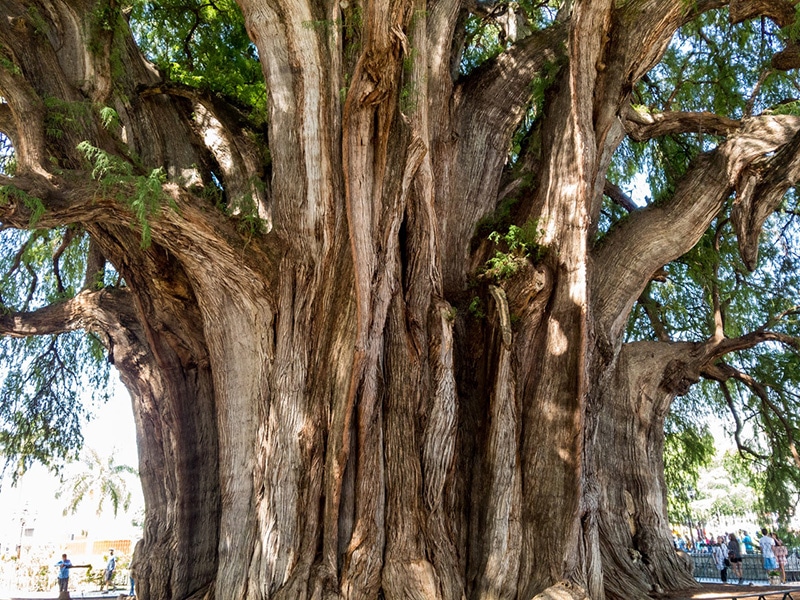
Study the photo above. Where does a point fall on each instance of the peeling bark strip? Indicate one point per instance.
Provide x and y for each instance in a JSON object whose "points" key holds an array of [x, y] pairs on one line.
{"points": [[341, 402]]}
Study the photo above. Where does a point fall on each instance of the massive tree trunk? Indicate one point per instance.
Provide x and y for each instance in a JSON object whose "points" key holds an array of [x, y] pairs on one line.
{"points": [[319, 412]]}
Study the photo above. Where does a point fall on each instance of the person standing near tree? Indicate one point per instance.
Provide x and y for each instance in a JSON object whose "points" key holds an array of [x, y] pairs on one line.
{"points": [[781, 552], [108, 575], [719, 551], [748, 543], [64, 565], [767, 553], [735, 557]]}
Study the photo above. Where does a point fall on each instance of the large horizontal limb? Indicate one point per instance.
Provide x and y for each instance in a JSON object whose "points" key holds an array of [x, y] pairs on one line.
{"points": [[183, 224], [626, 259], [96, 311], [642, 125], [780, 11]]}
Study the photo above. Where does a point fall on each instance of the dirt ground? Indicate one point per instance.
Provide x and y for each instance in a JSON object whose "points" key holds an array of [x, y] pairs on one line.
{"points": [[715, 590]]}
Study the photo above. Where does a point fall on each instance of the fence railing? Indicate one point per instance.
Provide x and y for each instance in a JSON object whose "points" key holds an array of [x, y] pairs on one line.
{"points": [[752, 567]]}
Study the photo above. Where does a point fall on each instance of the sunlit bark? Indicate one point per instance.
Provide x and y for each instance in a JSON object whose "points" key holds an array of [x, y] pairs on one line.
{"points": [[339, 403]]}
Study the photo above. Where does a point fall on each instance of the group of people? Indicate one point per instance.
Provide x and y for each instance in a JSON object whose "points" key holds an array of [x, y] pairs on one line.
{"points": [[108, 585], [727, 554]]}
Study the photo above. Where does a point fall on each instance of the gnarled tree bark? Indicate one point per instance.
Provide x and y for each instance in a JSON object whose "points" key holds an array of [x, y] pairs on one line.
{"points": [[319, 413]]}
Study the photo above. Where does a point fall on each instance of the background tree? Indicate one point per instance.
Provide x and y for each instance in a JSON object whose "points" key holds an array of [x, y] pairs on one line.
{"points": [[390, 323], [99, 479]]}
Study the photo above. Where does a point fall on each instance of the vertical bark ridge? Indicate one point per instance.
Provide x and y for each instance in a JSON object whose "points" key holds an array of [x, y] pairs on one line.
{"points": [[292, 54], [638, 556], [440, 443], [500, 528], [179, 472], [285, 442], [406, 571], [375, 211], [556, 397]]}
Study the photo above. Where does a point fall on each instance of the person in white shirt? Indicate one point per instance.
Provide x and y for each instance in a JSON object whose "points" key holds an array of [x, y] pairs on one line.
{"points": [[720, 553], [767, 550]]}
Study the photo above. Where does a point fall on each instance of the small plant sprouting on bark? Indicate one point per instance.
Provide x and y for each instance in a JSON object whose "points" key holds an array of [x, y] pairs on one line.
{"points": [[147, 194], [109, 117], [521, 244], [9, 193], [62, 116], [476, 308]]}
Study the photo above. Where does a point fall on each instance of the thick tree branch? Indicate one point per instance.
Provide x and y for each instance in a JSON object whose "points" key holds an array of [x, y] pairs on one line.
{"points": [[748, 111], [95, 267], [69, 235], [619, 197], [651, 310], [788, 58], [87, 310], [501, 88], [780, 11], [223, 128], [642, 125], [85, 201], [24, 116], [490, 103], [759, 195], [652, 237], [719, 374], [639, 35], [712, 351]]}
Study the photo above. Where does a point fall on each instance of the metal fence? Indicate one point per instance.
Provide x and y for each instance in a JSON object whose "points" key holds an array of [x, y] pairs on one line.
{"points": [[752, 567]]}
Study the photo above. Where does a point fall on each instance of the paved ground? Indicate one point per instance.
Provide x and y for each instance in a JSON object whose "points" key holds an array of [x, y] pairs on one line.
{"points": [[74, 595], [714, 590]]}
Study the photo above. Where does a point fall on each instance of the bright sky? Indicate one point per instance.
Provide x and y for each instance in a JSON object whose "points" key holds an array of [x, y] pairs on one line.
{"points": [[34, 498]]}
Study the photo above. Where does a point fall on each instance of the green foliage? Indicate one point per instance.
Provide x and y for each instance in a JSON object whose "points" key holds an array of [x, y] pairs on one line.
{"points": [[41, 409], [11, 193], [768, 297], [144, 194], [324, 26], [109, 117], [520, 243], [499, 220], [184, 38], [714, 66], [8, 156], [483, 43], [476, 308], [7, 63], [721, 496], [61, 117], [39, 24], [41, 412], [249, 221], [483, 36], [688, 448], [353, 25], [106, 167]]}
